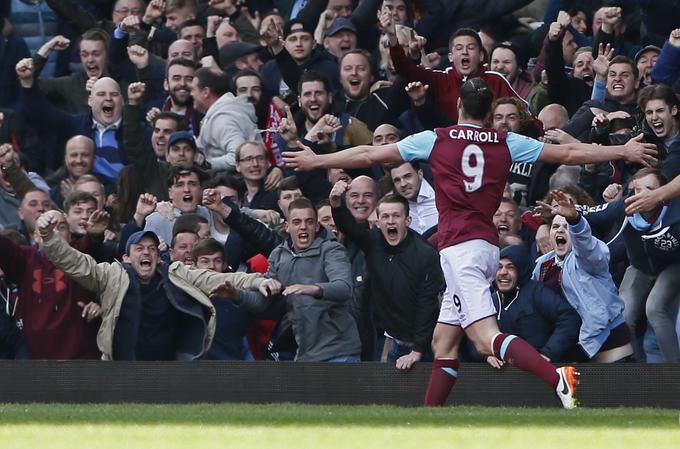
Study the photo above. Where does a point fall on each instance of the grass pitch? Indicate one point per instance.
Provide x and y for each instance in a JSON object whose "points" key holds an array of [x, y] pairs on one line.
{"points": [[294, 426]]}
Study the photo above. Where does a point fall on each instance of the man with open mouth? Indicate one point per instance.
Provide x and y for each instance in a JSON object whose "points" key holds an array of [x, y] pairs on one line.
{"points": [[150, 311], [470, 165], [405, 276]]}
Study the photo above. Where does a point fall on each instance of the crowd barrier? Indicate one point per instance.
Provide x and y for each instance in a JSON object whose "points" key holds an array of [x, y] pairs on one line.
{"points": [[626, 384]]}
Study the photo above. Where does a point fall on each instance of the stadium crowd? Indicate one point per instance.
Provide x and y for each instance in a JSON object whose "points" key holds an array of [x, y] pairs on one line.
{"points": [[147, 212]]}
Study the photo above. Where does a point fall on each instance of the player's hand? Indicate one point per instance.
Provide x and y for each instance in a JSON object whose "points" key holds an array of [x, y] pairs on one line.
{"points": [[612, 193], [91, 310], [337, 193], [639, 152], [417, 92], [135, 93], [225, 290], [270, 287], [406, 362], [273, 179], [303, 160], [98, 222], [495, 362], [138, 55], [674, 38]]}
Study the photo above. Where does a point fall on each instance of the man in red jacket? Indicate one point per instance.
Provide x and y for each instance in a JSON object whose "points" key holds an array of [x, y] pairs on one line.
{"points": [[57, 316], [466, 56]]}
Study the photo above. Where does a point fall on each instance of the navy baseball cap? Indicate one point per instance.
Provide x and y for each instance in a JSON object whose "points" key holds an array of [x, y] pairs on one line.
{"points": [[138, 236], [339, 24], [187, 136]]}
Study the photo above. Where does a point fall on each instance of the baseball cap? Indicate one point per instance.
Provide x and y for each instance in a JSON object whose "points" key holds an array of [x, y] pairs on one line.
{"points": [[234, 50], [646, 49], [296, 26], [137, 237], [339, 24], [187, 136]]}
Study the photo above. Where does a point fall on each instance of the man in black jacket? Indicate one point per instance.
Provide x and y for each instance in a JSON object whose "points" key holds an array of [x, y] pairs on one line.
{"points": [[404, 271]]}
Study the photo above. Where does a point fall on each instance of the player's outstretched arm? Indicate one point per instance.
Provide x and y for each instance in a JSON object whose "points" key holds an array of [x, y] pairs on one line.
{"points": [[583, 153], [356, 157], [649, 199]]}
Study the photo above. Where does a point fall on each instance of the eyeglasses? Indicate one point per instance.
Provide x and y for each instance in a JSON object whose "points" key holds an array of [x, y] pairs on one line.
{"points": [[249, 160]]}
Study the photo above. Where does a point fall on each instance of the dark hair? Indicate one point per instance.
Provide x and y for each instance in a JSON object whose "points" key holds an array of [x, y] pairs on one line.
{"points": [[188, 223], [189, 23], [650, 171], [129, 187], [176, 172], [395, 199], [241, 74], [205, 247], [323, 203], [620, 59], [288, 183], [167, 115], [14, 236], [309, 76], [217, 82], [78, 196], [179, 61], [224, 179], [302, 203], [476, 97], [96, 34], [392, 165], [466, 32], [657, 92]]}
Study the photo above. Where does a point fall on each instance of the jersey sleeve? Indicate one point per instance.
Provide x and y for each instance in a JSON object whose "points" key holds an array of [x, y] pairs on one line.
{"points": [[523, 148], [418, 146]]}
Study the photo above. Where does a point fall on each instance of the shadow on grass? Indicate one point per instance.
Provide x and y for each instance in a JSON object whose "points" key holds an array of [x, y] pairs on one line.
{"points": [[282, 415]]}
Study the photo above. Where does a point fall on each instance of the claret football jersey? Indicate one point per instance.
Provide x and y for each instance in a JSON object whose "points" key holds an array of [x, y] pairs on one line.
{"points": [[470, 166]]}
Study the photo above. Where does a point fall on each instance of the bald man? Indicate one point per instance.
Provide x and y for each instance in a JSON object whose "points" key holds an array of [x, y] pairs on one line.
{"points": [[553, 116], [103, 123], [78, 161]]}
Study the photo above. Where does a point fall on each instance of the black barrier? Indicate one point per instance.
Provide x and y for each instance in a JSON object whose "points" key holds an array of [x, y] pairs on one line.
{"points": [[629, 385]]}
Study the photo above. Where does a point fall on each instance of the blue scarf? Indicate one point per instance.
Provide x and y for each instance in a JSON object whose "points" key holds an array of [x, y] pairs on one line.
{"points": [[641, 224]]}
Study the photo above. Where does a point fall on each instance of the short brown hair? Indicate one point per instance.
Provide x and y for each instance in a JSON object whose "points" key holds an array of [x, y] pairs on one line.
{"points": [[302, 203]]}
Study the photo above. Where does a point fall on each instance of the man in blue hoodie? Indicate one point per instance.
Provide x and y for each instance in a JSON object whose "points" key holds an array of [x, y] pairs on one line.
{"points": [[532, 311]]}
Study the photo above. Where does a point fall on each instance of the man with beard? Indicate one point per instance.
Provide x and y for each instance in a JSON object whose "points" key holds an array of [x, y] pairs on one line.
{"points": [[177, 83], [70, 92], [155, 165], [373, 108], [504, 61], [408, 181], [103, 123]]}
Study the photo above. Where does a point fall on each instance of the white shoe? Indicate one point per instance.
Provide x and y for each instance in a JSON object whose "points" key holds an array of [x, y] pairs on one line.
{"points": [[566, 387]]}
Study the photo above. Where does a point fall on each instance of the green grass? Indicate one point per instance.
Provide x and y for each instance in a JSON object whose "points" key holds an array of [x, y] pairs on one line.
{"points": [[296, 426]]}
